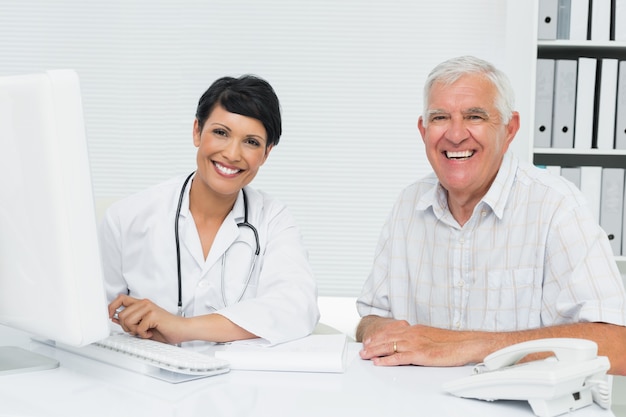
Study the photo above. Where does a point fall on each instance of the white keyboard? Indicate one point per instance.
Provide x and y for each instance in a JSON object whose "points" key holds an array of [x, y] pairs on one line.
{"points": [[149, 357]]}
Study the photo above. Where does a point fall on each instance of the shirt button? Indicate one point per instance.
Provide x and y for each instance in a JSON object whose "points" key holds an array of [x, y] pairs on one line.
{"points": [[202, 284], [461, 241], [483, 213], [457, 324], [461, 283]]}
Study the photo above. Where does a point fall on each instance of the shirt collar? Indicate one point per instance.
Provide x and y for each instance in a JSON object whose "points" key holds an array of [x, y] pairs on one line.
{"points": [[496, 198], [500, 189]]}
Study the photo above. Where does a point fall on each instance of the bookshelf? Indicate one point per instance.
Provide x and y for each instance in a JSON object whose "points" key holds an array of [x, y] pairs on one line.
{"points": [[595, 152]]}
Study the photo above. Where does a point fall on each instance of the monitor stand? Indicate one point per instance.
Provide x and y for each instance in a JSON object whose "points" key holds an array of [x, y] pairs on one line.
{"points": [[15, 360]]}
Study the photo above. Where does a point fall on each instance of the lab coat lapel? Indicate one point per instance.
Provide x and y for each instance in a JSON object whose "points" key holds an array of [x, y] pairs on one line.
{"points": [[190, 239], [226, 235]]}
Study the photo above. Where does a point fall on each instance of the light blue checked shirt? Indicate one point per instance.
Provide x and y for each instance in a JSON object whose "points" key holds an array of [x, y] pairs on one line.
{"points": [[531, 255]]}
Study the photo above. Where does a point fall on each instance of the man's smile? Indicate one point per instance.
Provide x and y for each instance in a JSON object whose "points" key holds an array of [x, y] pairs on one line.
{"points": [[459, 154]]}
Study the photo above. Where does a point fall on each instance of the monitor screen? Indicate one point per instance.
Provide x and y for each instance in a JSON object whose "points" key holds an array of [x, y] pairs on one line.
{"points": [[50, 272]]}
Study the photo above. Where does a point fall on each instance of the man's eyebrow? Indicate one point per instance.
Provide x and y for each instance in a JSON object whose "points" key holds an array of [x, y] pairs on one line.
{"points": [[476, 110], [435, 112]]}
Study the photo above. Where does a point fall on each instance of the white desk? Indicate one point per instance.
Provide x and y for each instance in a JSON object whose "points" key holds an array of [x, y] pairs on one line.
{"points": [[81, 387]]}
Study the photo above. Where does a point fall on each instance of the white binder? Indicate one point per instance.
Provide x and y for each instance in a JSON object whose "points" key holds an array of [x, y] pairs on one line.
{"points": [[564, 103], [624, 221], [548, 13], [585, 98], [600, 20], [579, 20], [620, 20], [572, 174], [620, 128], [591, 187], [554, 169], [544, 94], [612, 206], [563, 19], [607, 107]]}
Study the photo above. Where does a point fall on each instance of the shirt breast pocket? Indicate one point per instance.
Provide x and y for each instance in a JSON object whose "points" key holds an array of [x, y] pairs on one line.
{"points": [[512, 300]]}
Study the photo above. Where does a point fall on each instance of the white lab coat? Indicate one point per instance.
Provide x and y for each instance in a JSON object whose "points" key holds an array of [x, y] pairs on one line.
{"points": [[139, 258]]}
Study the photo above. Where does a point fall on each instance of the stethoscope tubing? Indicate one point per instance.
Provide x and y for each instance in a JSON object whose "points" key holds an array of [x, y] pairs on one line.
{"points": [[245, 223]]}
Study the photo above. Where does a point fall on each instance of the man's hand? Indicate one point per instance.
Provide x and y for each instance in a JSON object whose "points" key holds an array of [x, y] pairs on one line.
{"points": [[371, 325], [395, 344]]}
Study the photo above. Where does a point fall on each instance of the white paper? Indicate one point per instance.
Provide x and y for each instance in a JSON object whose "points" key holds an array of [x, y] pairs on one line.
{"points": [[314, 353]]}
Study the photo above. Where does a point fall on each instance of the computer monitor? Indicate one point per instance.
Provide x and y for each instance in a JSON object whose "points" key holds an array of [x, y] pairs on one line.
{"points": [[51, 282]]}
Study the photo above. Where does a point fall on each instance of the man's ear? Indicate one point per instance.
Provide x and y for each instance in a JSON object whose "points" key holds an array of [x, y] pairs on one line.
{"points": [[421, 127], [511, 129]]}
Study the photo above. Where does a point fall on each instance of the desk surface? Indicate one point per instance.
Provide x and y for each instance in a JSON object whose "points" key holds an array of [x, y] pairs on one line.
{"points": [[82, 387]]}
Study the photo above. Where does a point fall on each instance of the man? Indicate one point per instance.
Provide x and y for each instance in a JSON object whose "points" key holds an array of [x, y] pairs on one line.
{"points": [[487, 251]]}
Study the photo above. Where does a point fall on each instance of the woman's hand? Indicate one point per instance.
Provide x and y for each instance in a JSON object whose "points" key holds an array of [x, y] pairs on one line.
{"points": [[145, 319]]}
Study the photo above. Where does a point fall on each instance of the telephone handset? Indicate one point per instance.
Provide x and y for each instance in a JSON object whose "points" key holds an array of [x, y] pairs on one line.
{"points": [[571, 379]]}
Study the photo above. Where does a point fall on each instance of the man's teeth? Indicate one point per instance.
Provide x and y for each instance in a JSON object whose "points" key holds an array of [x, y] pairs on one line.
{"points": [[459, 155], [225, 170]]}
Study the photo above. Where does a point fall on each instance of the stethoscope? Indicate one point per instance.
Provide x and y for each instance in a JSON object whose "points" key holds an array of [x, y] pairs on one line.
{"points": [[241, 224]]}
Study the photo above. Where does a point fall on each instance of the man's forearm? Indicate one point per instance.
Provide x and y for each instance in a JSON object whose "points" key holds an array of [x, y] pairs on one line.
{"points": [[391, 342], [610, 338]]}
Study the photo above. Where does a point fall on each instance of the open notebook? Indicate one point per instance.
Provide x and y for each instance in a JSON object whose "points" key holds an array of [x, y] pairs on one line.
{"points": [[314, 353]]}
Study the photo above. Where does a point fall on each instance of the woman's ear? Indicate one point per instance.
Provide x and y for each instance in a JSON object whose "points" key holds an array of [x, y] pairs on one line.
{"points": [[196, 133], [267, 152]]}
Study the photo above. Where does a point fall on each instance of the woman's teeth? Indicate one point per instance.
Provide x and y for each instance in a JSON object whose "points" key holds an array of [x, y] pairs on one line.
{"points": [[225, 170]]}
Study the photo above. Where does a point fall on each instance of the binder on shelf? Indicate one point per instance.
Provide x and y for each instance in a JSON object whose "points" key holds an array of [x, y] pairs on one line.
{"points": [[607, 105], [564, 103], [620, 114], [572, 174], [591, 186], [544, 93], [585, 99], [612, 206], [624, 221], [563, 19], [620, 20], [548, 16], [579, 20], [600, 20], [554, 169]]}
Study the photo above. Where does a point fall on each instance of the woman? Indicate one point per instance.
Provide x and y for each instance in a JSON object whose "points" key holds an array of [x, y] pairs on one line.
{"points": [[180, 258]]}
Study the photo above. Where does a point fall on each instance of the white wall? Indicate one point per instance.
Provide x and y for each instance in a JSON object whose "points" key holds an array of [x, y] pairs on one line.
{"points": [[349, 75]]}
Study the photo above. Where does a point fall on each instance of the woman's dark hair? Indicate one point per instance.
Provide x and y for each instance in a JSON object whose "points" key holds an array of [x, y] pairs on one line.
{"points": [[248, 96]]}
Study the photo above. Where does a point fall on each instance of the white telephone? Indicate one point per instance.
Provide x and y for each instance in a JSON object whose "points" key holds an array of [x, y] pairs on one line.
{"points": [[572, 379]]}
